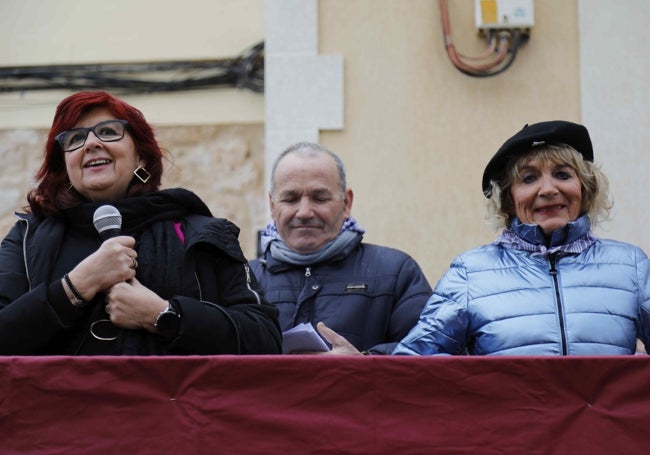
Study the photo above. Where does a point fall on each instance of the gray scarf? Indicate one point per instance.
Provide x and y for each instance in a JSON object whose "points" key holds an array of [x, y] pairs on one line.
{"points": [[349, 237]]}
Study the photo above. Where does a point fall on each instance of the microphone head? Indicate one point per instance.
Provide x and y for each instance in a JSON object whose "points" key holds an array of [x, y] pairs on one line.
{"points": [[108, 221]]}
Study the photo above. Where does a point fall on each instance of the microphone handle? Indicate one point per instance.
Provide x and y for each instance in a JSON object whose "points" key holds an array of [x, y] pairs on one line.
{"points": [[109, 234]]}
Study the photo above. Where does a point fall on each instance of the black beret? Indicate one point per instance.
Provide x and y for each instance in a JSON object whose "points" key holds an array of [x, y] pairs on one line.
{"points": [[554, 132]]}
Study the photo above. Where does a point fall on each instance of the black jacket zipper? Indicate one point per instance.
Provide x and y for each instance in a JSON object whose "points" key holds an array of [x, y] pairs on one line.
{"points": [[558, 300]]}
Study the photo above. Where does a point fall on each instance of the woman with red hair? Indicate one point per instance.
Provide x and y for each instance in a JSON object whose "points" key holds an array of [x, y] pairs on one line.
{"points": [[166, 277]]}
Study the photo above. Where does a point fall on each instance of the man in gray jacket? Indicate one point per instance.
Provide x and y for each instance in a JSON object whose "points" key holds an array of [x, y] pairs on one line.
{"points": [[315, 268]]}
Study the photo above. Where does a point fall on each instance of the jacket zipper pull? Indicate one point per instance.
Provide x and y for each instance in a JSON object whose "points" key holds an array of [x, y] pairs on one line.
{"points": [[553, 270], [307, 272], [249, 282]]}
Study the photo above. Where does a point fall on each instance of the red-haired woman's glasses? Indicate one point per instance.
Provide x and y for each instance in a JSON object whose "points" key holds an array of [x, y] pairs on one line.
{"points": [[106, 131]]}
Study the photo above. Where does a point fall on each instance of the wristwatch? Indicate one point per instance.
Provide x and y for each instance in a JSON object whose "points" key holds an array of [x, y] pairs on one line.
{"points": [[168, 322]]}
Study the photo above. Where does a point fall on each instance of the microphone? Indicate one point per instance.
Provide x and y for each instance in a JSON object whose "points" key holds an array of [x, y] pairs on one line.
{"points": [[108, 222]]}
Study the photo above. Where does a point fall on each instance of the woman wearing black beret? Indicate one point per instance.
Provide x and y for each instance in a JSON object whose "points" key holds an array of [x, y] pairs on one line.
{"points": [[546, 285]]}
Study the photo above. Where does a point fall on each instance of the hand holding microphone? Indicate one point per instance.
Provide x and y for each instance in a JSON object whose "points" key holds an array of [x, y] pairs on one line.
{"points": [[113, 262], [108, 222], [130, 305]]}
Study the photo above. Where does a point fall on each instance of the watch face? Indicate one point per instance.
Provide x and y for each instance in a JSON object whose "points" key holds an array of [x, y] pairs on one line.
{"points": [[168, 322]]}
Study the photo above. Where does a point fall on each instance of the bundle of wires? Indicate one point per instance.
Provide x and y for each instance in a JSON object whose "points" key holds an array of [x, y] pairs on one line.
{"points": [[244, 72], [501, 52]]}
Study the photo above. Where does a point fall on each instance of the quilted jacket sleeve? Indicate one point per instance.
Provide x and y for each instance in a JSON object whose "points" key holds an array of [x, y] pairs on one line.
{"points": [[442, 328]]}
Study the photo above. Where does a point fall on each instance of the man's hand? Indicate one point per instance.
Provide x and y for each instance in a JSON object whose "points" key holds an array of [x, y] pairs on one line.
{"points": [[340, 346]]}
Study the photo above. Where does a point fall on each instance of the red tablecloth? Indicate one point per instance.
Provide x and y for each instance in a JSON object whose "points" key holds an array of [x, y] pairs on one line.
{"points": [[324, 405]]}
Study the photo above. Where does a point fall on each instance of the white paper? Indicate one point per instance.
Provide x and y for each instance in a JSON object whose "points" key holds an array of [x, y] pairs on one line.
{"points": [[302, 338]]}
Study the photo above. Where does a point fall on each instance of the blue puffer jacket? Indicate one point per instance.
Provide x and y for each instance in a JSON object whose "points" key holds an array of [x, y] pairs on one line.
{"points": [[496, 300], [372, 296]]}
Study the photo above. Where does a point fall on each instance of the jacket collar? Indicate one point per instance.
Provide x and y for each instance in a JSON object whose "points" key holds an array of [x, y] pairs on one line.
{"points": [[533, 233]]}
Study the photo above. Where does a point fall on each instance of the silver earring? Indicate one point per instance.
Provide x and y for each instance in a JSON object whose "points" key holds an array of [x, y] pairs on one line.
{"points": [[142, 174]]}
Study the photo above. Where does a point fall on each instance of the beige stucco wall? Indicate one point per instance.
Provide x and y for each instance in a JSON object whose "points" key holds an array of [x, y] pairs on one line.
{"points": [[418, 133], [62, 32]]}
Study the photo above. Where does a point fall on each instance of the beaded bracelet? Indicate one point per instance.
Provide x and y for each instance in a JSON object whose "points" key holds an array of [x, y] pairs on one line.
{"points": [[77, 295]]}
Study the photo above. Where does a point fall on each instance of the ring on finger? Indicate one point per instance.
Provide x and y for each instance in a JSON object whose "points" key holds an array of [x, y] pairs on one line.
{"points": [[134, 263]]}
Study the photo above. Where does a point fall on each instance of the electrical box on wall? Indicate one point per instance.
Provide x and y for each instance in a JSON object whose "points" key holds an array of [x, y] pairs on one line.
{"points": [[504, 14]]}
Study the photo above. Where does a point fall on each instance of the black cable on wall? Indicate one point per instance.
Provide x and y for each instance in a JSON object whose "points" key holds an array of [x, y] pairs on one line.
{"points": [[244, 72]]}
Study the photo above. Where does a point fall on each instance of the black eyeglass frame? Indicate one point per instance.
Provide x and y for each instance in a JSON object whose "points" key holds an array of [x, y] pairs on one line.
{"points": [[59, 137]]}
